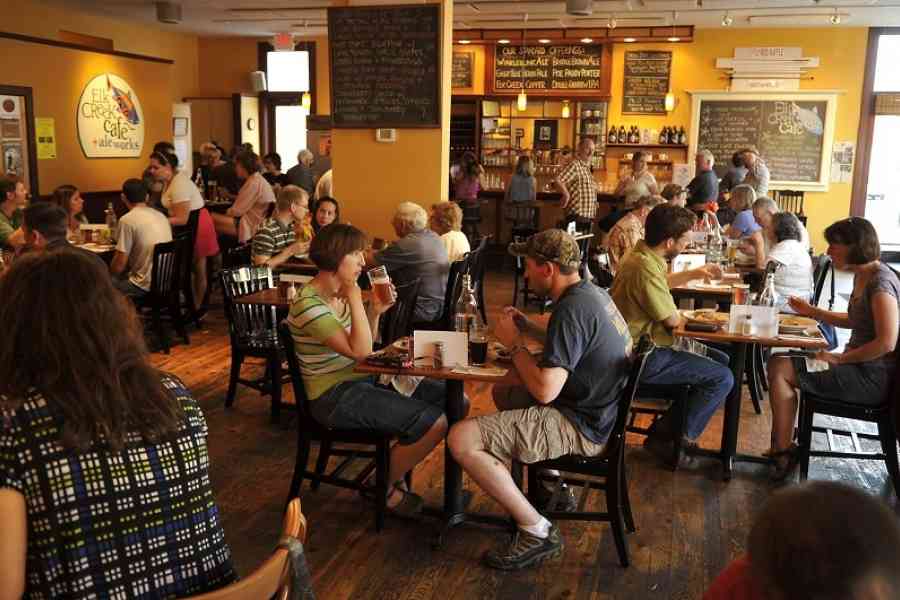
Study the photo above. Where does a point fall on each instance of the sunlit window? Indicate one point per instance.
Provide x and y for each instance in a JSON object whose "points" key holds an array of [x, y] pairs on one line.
{"points": [[287, 71], [887, 75], [290, 133]]}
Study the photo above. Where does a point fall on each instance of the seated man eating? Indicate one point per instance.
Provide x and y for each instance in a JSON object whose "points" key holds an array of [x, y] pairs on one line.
{"points": [[569, 400], [641, 292]]}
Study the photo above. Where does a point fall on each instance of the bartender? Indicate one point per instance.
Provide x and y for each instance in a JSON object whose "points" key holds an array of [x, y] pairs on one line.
{"points": [[576, 185]]}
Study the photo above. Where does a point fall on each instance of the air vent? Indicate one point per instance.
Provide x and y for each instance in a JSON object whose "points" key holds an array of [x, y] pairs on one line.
{"points": [[168, 12], [581, 8]]}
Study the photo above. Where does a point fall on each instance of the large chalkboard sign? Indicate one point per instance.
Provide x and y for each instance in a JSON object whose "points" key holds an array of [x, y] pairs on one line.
{"points": [[564, 68], [461, 76], [385, 66], [793, 133], [646, 81]]}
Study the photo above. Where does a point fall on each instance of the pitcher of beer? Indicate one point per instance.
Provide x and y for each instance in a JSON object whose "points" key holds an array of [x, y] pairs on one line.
{"points": [[381, 284]]}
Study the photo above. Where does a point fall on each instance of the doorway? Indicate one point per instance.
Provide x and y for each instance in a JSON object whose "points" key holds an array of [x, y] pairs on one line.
{"points": [[17, 136]]}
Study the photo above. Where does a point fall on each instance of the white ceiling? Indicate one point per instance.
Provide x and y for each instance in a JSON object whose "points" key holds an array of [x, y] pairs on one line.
{"points": [[308, 17]]}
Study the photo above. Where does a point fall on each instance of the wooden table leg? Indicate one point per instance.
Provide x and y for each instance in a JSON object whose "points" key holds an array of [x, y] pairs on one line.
{"points": [[733, 410]]}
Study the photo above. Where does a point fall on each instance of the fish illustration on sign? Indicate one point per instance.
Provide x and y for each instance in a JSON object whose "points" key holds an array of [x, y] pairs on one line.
{"points": [[808, 118], [124, 102]]}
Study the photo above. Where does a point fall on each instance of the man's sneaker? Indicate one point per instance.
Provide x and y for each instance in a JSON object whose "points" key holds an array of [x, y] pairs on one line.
{"points": [[565, 500], [664, 450], [526, 550]]}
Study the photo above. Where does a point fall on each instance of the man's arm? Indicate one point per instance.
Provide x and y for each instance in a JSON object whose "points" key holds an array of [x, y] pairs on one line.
{"points": [[118, 263], [684, 277]]}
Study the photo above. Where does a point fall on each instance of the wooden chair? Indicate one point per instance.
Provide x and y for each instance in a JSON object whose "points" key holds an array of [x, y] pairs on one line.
{"points": [[522, 217], [476, 268], [397, 321], [165, 289], [608, 466], [451, 295], [268, 579], [309, 430], [883, 415], [188, 232], [238, 256], [677, 398], [821, 270], [252, 333]]}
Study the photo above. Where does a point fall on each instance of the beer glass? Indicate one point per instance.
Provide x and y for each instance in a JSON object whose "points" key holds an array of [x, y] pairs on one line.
{"points": [[381, 284]]}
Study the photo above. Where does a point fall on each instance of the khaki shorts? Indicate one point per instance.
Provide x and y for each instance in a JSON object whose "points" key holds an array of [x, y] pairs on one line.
{"points": [[533, 434]]}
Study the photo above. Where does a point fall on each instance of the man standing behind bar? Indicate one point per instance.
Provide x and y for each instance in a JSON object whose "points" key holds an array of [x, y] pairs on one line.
{"points": [[704, 187], [641, 292], [569, 401], [576, 184]]}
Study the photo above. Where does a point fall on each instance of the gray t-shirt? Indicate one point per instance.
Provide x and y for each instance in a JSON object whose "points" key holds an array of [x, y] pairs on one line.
{"points": [[859, 310], [139, 230], [419, 254], [588, 337]]}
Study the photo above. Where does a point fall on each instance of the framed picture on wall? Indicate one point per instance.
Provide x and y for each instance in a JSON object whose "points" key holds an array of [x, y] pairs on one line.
{"points": [[545, 134], [179, 126]]}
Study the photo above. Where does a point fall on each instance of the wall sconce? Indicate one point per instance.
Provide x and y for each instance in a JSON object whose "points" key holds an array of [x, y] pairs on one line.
{"points": [[566, 113], [671, 101], [306, 100], [522, 100]]}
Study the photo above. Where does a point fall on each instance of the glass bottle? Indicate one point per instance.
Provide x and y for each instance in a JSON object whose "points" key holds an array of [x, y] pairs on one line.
{"points": [[612, 136], [768, 297], [682, 137], [112, 223], [713, 241], [466, 317], [623, 139], [664, 135]]}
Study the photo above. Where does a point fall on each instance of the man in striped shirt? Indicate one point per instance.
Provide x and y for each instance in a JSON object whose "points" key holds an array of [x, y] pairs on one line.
{"points": [[277, 239]]}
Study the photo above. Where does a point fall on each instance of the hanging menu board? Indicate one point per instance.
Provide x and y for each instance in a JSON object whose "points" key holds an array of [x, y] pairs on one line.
{"points": [[646, 81], [462, 69], [792, 134], [568, 68], [385, 66]]}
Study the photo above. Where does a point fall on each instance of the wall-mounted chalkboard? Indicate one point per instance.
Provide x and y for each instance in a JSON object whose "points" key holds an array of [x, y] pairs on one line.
{"points": [[385, 66], [570, 69], [793, 133], [646, 82], [462, 69]]}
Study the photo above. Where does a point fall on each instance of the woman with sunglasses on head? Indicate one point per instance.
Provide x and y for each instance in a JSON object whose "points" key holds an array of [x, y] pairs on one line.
{"points": [[861, 374], [180, 197]]}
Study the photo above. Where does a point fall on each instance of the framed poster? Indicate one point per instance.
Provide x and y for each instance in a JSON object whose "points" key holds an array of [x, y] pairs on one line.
{"points": [[179, 126], [462, 69], [545, 134], [110, 119]]}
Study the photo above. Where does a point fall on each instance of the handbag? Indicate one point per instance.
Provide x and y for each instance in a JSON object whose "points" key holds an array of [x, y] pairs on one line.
{"points": [[827, 329]]}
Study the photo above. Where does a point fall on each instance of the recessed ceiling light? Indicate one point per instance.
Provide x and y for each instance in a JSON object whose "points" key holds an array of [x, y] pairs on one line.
{"points": [[587, 40], [544, 41], [674, 38], [727, 20], [835, 19], [503, 41], [464, 42], [630, 39]]}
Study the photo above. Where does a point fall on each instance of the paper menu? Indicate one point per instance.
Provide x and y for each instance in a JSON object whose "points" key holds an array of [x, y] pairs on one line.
{"points": [[456, 346]]}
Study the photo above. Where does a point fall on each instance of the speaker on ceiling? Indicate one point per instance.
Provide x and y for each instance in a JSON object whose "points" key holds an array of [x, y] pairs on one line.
{"points": [[581, 8], [258, 81], [168, 12]]}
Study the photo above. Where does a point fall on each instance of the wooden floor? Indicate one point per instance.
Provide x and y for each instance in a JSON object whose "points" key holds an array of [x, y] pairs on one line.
{"points": [[689, 524]]}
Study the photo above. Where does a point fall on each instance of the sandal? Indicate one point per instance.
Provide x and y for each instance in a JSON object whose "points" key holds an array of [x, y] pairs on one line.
{"points": [[784, 463], [410, 507]]}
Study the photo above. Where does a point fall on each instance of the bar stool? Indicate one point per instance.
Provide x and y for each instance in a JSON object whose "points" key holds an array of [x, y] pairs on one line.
{"points": [[471, 220]]}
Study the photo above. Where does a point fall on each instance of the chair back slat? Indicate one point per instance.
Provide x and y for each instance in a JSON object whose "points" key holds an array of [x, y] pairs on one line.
{"points": [[287, 342], [248, 320], [398, 319], [166, 268], [616, 440]]}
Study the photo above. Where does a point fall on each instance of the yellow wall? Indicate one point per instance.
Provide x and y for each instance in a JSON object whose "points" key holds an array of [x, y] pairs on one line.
{"points": [[842, 55], [57, 77]]}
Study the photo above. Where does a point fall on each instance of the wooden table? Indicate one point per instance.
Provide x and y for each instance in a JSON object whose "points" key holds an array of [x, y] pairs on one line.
{"points": [[738, 356], [455, 499]]}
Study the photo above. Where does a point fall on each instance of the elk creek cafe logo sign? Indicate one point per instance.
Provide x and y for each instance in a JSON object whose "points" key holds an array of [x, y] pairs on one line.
{"points": [[110, 119]]}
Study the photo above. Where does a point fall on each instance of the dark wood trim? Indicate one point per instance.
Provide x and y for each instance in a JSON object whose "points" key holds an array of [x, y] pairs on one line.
{"points": [[262, 48], [266, 128], [236, 121], [189, 98], [70, 46], [26, 92]]}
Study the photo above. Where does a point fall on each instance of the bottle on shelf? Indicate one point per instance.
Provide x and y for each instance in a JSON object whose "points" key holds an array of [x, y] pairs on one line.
{"points": [[612, 136], [664, 136], [623, 138], [466, 316], [682, 137]]}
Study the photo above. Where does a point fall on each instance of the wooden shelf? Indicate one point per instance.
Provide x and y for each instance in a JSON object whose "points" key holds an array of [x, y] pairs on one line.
{"points": [[676, 146]]}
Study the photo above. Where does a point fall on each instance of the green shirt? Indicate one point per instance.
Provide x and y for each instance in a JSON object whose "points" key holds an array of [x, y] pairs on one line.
{"points": [[8, 225], [312, 321], [641, 293]]}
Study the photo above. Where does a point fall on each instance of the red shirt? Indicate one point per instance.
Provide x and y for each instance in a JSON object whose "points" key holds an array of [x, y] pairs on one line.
{"points": [[734, 583]]}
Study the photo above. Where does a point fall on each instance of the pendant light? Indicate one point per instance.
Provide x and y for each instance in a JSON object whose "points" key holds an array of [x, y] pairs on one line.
{"points": [[674, 37], [566, 112], [522, 99], [306, 100]]}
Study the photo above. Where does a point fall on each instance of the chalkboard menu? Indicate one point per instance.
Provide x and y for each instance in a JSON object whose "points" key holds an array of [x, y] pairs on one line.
{"points": [[548, 68], [646, 82], [462, 69], [789, 134], [385, 66]]}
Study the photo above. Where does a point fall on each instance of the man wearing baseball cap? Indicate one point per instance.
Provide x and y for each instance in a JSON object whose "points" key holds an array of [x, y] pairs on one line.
{"points": [[569, 400]]}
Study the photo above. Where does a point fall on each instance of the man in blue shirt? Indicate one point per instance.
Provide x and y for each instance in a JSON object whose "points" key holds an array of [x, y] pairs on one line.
{"points": [[569, 399], [704, 187]]}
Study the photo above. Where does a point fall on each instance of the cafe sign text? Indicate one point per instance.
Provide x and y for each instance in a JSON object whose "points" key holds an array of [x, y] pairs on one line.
{"points": [[110, 119]]}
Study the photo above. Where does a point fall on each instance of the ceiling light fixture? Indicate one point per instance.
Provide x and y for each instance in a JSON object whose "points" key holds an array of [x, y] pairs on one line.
{"points": [[522, 99], [544, 41], [566, 111], [835, 19], [630, 40], [503, 41], [465, 41], [612, 23], [727, 20], [674, 37], [587, 40]]}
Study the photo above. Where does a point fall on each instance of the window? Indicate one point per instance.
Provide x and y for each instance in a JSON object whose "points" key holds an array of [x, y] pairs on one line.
{"points": [[887, 75], [287, 71]]}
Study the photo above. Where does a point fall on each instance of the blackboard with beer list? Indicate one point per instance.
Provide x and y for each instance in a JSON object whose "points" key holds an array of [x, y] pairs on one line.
{"points": [[461, 76], [385, 66], [550, 70], [646, 82], [789, 134]]}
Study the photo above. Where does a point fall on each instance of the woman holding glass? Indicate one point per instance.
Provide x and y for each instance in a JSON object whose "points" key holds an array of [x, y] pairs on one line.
{"points": [[862, 373]]}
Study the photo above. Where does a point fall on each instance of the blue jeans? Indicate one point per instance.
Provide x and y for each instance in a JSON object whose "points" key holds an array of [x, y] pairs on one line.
{"points": [[710, 380], [129, 289]]}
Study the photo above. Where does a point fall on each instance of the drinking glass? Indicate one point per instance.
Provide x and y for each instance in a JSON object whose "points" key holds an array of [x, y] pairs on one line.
{"points": [[478, 344], [740, 294], [381, 284]]}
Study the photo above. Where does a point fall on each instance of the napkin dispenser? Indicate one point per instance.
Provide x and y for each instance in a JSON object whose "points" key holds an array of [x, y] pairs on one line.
{"points": [[763, 320], [456, 346]]}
